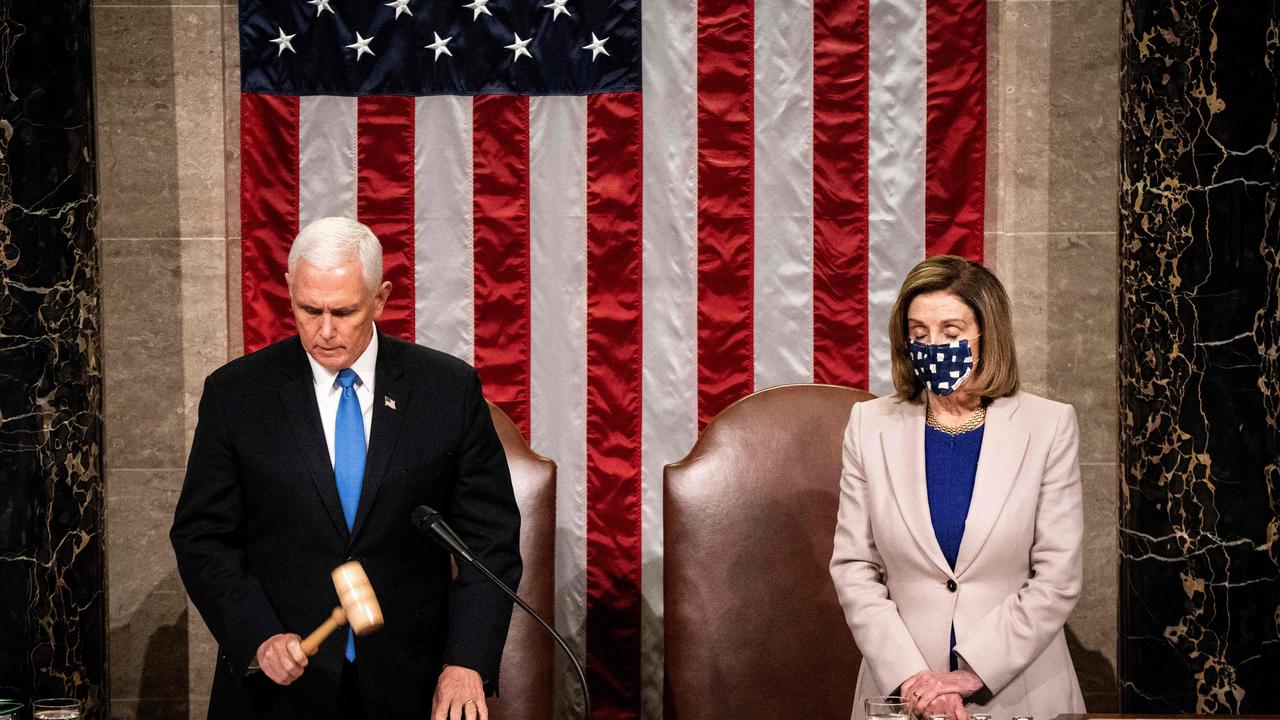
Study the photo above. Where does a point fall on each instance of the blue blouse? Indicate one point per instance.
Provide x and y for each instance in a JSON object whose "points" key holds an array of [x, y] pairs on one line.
{"points": [[950, 467]]}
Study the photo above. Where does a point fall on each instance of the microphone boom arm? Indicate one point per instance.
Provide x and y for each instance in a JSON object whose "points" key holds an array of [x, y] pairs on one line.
{"points": [[427, 519]]}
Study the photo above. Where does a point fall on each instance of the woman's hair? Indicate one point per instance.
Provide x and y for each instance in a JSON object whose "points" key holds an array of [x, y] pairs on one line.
{"points": [[332, 242], [996, 374]]}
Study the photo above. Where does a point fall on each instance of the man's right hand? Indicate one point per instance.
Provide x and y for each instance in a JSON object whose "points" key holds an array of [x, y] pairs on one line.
{"points": [[281, 658]]}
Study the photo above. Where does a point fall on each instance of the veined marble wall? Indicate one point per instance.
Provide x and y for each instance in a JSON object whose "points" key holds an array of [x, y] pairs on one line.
{"points": [[1200, 357], [53, 607], [168, 83]]}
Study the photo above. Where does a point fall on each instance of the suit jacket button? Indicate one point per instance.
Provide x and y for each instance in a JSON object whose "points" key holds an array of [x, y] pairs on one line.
{"points": [[951, 585]]}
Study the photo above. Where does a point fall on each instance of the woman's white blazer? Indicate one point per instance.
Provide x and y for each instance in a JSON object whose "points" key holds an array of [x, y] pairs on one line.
{"points": [[1017, 575]]}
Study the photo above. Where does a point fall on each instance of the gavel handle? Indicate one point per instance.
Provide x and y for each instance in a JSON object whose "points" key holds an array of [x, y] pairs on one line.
{"points": [[337, 619]]}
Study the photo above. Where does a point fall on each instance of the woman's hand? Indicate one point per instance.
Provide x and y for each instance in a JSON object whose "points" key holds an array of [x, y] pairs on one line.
{"points": [[926, 686], [949, 704]]}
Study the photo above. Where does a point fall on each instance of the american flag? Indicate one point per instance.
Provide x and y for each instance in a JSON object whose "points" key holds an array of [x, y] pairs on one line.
{"points": [[621, 253]]}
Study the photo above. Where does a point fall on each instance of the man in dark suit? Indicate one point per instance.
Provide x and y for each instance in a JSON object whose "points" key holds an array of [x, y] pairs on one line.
{"points": [[316, 450]]}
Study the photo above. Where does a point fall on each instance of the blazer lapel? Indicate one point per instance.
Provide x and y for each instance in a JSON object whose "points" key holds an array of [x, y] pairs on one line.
{"points": [[1004, 444], [390, 403], [298, 395], [903, 446]]}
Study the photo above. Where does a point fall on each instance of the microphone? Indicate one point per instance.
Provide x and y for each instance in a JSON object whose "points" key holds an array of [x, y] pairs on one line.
{"points": [[431, 522]]}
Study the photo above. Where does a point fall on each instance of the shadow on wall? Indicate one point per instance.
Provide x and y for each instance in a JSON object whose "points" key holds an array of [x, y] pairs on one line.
{"points": [[1097, 676], [161, 682]]}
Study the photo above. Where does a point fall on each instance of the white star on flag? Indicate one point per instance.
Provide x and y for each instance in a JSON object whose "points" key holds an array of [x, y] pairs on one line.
{"points": [[440, 46], [401, 6], [557, 8], [321, 6], [282, 43], [519, 47], [361, 46], [596, 47], [479, 7]]}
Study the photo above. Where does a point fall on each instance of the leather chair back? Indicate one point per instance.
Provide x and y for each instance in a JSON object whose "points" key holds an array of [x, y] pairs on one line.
{"points": [[753, 626], [528, 661]]}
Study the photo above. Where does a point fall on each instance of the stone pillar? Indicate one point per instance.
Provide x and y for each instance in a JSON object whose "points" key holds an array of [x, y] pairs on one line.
{"points": [[52, 580], [1200, 357]]}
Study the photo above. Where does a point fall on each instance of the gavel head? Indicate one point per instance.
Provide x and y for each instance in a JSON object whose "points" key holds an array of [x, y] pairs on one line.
{"points": [[356, 595]]}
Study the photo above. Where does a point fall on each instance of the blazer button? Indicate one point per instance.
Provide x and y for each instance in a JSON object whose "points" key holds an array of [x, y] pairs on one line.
{"points": [[951, 585]]}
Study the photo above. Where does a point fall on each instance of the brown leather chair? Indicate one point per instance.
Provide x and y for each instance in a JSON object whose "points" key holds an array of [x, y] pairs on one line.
{"points": [[753, 626], [528, 661]]}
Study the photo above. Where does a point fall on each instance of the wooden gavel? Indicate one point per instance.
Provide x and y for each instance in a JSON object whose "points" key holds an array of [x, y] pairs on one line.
{"points": [[357, 606]]}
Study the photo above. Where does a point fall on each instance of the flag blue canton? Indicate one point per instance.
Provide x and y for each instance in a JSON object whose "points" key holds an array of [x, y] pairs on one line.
{"points": [[313, 47]]}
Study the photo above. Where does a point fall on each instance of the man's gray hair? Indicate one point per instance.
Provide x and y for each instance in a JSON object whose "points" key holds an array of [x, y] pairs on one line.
{"points": [[333, 242]]}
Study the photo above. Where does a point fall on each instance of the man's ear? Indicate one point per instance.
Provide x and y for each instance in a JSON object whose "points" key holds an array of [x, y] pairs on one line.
{"points": [[384, 292]]}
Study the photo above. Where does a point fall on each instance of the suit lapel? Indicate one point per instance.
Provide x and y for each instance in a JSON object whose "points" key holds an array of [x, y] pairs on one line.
{"points": [[903, 445], [389, 406], [298, 395], [1004, 444]]}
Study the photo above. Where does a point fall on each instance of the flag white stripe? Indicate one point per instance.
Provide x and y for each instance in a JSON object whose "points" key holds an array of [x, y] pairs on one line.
{"points": [[896, 144], [783, 313], [444, 266], [558, 345], [670, 306], [326, 157]]}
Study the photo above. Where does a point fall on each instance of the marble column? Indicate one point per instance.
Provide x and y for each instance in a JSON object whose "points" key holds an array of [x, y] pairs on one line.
{"points": [[52, 576], [1200, 357]]}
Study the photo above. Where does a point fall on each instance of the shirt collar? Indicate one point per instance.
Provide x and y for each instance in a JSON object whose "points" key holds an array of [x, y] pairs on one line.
{"points": [[365, 366]]}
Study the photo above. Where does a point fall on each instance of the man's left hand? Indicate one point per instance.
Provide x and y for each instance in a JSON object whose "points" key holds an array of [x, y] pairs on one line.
{"points": [[459, 695]]}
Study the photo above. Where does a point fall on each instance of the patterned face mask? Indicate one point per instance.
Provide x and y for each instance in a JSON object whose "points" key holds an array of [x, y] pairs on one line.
{"points": [[941, 367]]}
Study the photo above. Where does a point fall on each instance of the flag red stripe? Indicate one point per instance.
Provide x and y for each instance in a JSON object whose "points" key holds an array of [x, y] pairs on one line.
{"points": [[268, 214], [614, 282], [840, 226], [384, 192], [955, 127], [726, 203], [500, 165]]}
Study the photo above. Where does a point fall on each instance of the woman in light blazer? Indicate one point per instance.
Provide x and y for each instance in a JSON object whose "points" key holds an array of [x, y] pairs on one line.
{"points": [[957, 550]]}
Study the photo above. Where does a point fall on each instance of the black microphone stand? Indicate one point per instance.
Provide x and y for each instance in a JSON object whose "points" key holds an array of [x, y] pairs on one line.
{"points": [[426, 519]]}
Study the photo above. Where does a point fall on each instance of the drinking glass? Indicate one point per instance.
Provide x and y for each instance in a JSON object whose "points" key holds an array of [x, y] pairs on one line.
{"points": [[56, 709], [888, 707], [9, 709]]}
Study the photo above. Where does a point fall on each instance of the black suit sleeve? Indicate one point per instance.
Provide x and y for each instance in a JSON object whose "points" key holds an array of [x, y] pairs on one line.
{"points": [[483, 511], [208, 540]]}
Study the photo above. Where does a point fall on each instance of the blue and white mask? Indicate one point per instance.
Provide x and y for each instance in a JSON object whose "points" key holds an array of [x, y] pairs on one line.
{"points": [[941, 367]]}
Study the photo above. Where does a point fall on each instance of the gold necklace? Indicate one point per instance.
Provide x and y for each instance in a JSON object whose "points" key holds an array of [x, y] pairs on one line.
{"points": [[975, 421]]}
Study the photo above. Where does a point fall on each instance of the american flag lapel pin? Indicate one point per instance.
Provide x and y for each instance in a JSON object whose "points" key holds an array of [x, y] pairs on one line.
{"points": [[388, 402]]}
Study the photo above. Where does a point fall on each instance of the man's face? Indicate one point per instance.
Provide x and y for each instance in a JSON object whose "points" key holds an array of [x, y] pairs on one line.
{"points": [[335, 311]]}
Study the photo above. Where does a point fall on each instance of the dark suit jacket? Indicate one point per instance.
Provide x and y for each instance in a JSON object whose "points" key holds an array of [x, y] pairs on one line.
{"points": [[259, 527]]}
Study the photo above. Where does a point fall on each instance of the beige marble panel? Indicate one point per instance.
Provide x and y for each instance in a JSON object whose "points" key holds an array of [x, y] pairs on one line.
{"points": [[1082, 316], [235, 311], [147, 609], [1091, 630], [1020, 99], [138, 709], [204, 325], [231, 115], [1084, 102], [160, 127], [202, 654], [994, 65], [1021, 263], [142, 353]]}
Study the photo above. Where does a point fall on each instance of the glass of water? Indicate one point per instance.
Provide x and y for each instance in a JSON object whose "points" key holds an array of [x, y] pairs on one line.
{"points": [[888, 707], [56, 709], [9, 709]]}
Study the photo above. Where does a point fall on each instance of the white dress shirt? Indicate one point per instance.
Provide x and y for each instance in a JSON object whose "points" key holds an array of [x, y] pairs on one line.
{"points": [[329, 393]]}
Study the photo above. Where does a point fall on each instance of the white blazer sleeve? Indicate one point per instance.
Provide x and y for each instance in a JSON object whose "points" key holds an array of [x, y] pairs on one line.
{"points": [[858, 570], [1017, 630]]}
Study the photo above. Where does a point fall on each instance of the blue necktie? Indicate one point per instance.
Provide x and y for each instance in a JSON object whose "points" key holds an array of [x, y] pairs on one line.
{"points": [[348, 460]]}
